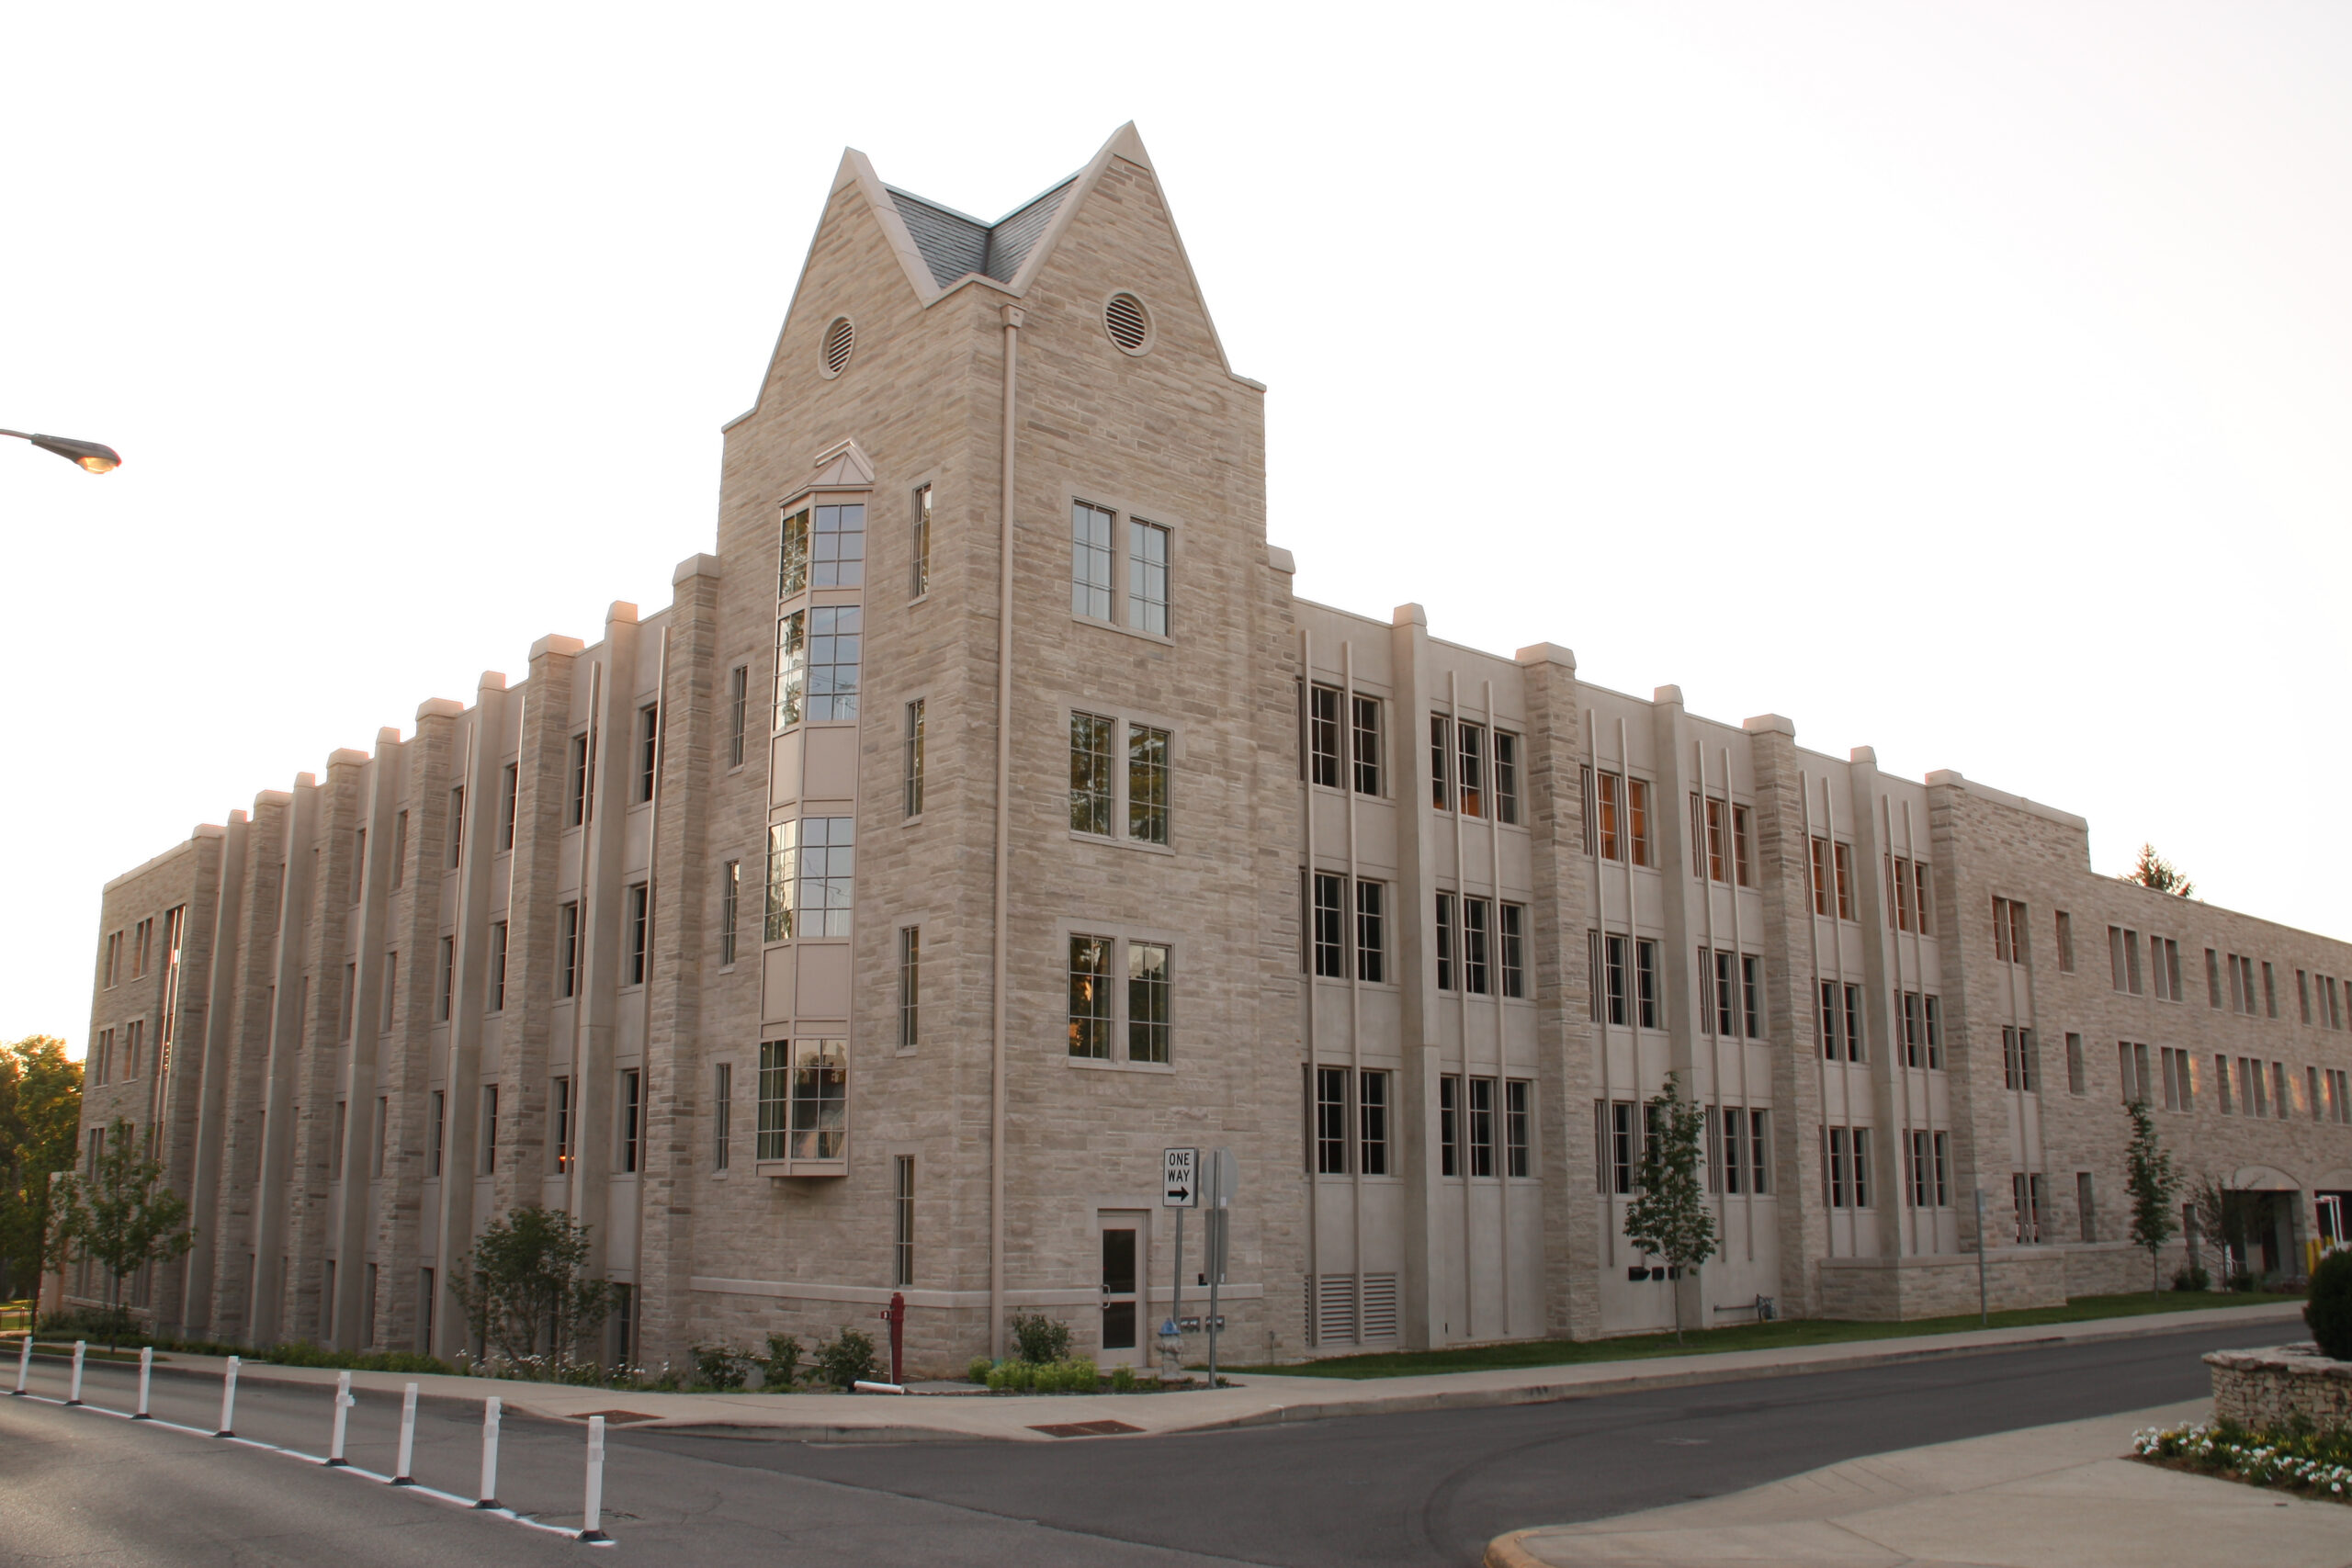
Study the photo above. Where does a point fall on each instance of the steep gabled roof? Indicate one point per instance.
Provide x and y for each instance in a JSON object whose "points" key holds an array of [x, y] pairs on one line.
{"points": [[952, 244]]}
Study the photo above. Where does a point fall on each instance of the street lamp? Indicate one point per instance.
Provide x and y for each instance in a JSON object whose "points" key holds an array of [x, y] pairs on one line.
{"points": [[88, 454]]}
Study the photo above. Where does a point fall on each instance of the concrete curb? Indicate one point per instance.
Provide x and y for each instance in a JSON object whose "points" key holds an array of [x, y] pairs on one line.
{"points": [[1504, 1551]]}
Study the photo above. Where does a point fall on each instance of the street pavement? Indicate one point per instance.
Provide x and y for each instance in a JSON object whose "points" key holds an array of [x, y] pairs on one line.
{"points": [[1420, 1487]]}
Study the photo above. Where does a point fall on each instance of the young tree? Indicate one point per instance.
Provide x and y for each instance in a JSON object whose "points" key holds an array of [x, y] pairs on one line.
{"points": [[2154, 871], [41, 1112], [2154, 1186], [522, 1286], [2224, 1221], [1669, 1218], [120, 1215]]}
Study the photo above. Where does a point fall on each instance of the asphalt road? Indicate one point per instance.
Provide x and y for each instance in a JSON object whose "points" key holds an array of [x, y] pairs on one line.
{"points": [[1425, 1489]]}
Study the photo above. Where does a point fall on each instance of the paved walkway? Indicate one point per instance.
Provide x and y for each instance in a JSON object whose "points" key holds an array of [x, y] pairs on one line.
{"points": [[2045, 1497], [1259, 1399]]}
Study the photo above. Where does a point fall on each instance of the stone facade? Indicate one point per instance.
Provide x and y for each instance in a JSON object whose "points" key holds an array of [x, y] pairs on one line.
{"points": [[1419, 932], [2274, 1387]]}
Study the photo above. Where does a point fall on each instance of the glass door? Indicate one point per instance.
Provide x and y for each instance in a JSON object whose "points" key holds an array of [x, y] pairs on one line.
{"points": [[1122, 1281]]}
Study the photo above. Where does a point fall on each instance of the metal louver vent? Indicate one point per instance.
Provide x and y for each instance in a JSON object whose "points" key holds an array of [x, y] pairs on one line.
{"points": [[1125, 319], [839, 339]]}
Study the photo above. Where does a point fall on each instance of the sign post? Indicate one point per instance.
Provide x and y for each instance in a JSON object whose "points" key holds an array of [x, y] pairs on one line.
{"points": [[1222, 1177], [1179, 1190]]}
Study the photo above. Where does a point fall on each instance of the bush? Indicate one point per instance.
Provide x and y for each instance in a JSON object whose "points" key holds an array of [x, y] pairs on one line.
{"points": [[2329, 1311], [977, 1371], [781, 1366], [2241, 1280], [716, 1367], [109, 1324], [2191, 1277], [1123, 1379], [1042, 1340], [848, 1359]]}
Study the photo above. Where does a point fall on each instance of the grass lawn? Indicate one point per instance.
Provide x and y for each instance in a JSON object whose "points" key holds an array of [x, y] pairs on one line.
{"points": [[17, 1315], [1748, 1336]]}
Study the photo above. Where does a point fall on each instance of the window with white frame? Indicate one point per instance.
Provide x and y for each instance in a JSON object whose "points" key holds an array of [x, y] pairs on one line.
{"points": [[910, 987], [637, 919], [731, 902], [1090, 529], [910, 761], [739, 698], [919, 580], [1147, 577], [804, 1101], [810, 865], [1365, 743], [567, 950], [1102, 1010], [1116, 563], [1109, 801]]}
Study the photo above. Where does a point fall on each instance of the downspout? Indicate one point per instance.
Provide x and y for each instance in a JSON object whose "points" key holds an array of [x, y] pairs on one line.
{"points": [[1013, 316]]}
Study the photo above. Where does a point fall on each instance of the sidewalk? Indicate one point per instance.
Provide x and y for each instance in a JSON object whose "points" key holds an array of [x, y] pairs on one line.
{"points": [[2045, 1497], [1259, 1399]]}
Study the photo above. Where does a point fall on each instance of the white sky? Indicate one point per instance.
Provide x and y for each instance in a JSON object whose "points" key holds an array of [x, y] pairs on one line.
{"points": [[1967, 380]]}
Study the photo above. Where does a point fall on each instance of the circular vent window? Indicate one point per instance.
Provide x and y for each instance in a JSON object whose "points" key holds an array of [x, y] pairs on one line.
{"points": [[840, 338], [1129, 323]]}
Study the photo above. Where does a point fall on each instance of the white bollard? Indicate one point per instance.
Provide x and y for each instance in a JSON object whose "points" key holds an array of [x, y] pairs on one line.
{"points": [[228, 1401], [400, 1476], [489, 1497], [74, 1395], [146, 1370], [595, 1511], [25, 1361], [343, 1403]]}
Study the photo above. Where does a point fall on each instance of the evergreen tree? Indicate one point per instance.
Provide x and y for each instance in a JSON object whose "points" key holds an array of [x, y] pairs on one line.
{"points": [[1669, 1218], [2154, 1186], [2154, 871]]}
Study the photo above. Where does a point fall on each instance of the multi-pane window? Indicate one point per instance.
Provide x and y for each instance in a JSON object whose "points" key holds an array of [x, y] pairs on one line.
{"points": [[1470, 775], [567, 950], [1331, 926], [1323, 735], [2123, 956], [2213, 979], [2065, 943], [142, 943], [919, 581], [1732, 993], [2131, 1065], [1833, 878], [2221, 1085], [1449, 1126], [2163, 968], [446, 983], [1090, 568], [437, 1111], [2020, 1069], [810, 865], [578, 791], [791, 668], [1506, 777], [358, 864], [1090, 997], [837, 547], [1482, 1127], [1440, 762], [632, 1117], [1090, 773], [132, 1034], [1372, 1122], [910, 761], [910, 987], [1476, 966], [489, 1130], [648, 750], [1617, 1154], [1619, 996], [2179, 1092], [1149, 998], [1930, 1170], [722, 1116], [902, 1202], [730, 895], [1147, 784], [1512, 943], [1847, 1167], [2339, 1096], [1622, 805], [835, 634], [497, 971], [456, 825], [1370, 935], [1907, 907], [792, 556], [739, 699], [2028, 1195], [111, 967], [1331, 1121], [1147, 578], [1364, 724], [1445, 941], [1517, 1127], [2009, 931], [1719, 832], [510, 790], [1841, 1022], [804, 1100], [638, 916]]}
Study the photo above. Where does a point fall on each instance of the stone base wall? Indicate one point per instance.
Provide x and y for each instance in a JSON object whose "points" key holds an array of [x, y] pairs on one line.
{"points": [[1944, 1284], [2270, 1388]]}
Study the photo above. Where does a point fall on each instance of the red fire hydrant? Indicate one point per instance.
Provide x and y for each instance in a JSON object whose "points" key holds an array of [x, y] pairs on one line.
{"points": [[896, 1318]]}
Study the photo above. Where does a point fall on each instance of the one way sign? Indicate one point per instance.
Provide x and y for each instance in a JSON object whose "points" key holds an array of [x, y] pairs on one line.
{"points": [[1181, 1185]]}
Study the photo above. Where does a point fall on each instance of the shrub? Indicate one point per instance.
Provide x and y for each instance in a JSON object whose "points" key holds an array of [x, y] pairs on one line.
{"points": [[721, 1369], [1123, 1379], [2191, 1277], [999, 1377], [848, 1359], [1042, 1340], [977, 1371], [781, 1366], [2329, 1311]]}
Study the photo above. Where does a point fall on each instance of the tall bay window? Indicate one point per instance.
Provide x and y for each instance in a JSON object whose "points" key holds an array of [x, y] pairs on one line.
{"points": [[811, 877]]}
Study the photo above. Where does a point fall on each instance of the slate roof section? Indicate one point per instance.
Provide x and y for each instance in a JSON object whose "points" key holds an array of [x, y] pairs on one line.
{"points": [[954, 244]]}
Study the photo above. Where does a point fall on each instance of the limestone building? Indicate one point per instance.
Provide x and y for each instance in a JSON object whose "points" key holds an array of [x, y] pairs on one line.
{"points": [[984, 815]]}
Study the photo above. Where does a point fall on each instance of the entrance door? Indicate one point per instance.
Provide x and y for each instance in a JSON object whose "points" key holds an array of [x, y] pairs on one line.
{"points": [[1122, 1295]]}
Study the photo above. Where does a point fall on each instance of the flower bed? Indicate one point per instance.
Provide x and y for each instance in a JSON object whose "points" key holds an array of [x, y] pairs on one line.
{"points": [[2314, 1462]]}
